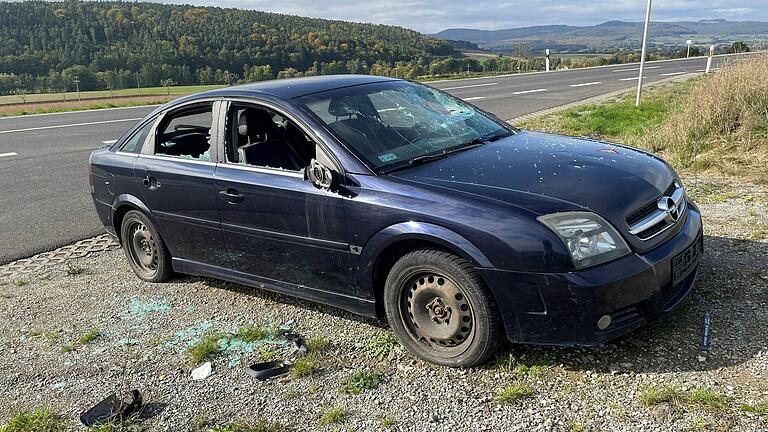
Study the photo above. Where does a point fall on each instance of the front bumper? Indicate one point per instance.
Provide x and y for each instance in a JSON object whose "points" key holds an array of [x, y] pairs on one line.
{"points": [[563, 308]]}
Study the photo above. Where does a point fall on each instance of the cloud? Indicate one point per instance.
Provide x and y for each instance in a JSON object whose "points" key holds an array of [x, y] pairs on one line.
{"points": [[432, 16]]}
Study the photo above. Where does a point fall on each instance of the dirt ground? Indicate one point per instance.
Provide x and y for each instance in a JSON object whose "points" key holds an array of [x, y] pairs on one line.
{"points": [[72, 333]]}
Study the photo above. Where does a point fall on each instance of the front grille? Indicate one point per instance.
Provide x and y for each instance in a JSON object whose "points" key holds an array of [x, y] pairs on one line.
{"points": [[652, 231], [646, 210], [649, 210]]}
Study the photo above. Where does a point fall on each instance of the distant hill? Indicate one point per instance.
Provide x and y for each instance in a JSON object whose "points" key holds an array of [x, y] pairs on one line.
{"points": [[44, 45], [612, 35]]}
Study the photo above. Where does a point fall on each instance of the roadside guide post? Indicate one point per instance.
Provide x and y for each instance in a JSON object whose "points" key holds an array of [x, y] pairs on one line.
{"points": [[642, 56], [547, 60], [77, 87], [709, 59], [688, 42]]}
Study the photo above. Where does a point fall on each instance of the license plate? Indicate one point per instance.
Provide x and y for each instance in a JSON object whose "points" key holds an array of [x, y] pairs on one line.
{"points": [[684, 262]]}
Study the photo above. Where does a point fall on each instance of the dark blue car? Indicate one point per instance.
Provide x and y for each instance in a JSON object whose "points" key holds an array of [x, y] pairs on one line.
{"points": [[392, 199]]}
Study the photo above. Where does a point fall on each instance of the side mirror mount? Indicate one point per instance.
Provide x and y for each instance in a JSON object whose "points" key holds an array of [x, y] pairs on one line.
{"points": [[320, 175]]}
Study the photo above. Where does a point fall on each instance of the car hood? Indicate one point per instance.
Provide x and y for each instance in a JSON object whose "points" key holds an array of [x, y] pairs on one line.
{"points": [[547, 173]]}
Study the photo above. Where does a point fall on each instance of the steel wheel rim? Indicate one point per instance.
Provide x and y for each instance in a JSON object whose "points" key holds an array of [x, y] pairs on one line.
{"points": [[142, 248], [437, 314]]}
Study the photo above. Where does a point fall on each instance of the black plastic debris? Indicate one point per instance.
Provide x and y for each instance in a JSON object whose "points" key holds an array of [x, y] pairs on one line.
{"points": [[271, 369], [113, 408]]}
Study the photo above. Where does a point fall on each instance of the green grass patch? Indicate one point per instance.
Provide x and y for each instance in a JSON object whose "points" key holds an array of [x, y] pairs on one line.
{"points": [[380, 346], [206, 348], [74, 269], [20, 282], [334, 415], [89, 336], [305, 366], [39, 420], [317, 344], [260, 426], [619, 119], [674, 395], [361, 381], [514, 393], [252, 333], [387, 421], [758, 408], [523, 366]]}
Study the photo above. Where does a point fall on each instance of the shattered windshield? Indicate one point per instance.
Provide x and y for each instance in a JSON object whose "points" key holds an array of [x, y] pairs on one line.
{"points": [[397, 123]]}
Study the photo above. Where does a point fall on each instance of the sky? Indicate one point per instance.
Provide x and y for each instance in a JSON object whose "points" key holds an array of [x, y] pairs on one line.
{"points": [[432, 16]]}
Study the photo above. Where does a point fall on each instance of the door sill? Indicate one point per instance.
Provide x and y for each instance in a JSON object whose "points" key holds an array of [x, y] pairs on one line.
{"points": [[353, 304]]}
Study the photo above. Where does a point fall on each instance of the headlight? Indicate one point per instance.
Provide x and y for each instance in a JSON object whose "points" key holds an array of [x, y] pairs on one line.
{"points": [[590, 239]]}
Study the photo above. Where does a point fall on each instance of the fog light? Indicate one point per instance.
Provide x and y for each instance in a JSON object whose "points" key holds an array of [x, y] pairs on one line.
{"points": [[604, 322]]}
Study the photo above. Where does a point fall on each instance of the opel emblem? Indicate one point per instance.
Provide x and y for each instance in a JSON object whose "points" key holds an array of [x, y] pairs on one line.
{"points": [[668, 205]]}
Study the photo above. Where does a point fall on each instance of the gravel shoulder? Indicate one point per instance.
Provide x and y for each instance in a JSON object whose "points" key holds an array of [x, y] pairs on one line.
{"points": [[144, 331]]}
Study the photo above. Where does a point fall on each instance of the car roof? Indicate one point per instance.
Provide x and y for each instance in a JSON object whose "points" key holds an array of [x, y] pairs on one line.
{"points": [[294, 87]]}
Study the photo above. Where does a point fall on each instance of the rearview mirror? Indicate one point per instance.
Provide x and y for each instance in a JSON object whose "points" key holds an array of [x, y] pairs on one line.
{"points": [[319, 174]]}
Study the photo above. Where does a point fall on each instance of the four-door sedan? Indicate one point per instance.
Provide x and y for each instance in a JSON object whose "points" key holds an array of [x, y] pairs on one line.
{"points": [[390, 198]]}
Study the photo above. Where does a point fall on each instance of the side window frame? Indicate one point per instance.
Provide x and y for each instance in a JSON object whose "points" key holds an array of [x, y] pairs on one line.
{"points": [[216, 103], [151, 123], [322, 152]]}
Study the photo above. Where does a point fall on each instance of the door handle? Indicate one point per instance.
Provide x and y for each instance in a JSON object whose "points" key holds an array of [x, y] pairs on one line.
{"points": [[151, 182], [232, 196]]}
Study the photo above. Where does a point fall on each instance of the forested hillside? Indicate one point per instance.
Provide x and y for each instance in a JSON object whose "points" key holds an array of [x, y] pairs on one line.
{"points": [[44, 45]]}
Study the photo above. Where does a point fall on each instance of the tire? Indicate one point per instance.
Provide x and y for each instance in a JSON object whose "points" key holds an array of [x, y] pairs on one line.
{"points": [[440, 310], [146, 252]]}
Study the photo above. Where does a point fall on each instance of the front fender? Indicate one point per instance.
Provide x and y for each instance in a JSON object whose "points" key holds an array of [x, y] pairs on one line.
{"points": [[427, 232]]}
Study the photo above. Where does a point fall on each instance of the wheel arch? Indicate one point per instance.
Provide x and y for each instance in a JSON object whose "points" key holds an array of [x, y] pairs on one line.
{"points": [[123, 204], [391, 243]]}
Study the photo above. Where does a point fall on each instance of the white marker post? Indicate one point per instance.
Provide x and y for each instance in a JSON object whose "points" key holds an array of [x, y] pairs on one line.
{"points": [[547, 60], [645, 50], [688, 42], [709, 59]]}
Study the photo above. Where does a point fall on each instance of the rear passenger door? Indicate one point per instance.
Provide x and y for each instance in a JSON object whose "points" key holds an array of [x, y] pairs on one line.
{"points": [[175, 175], [278, 226]]}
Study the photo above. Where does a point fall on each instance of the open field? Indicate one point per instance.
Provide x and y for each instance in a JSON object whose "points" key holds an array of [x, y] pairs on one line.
{"points": [[101, 94]]}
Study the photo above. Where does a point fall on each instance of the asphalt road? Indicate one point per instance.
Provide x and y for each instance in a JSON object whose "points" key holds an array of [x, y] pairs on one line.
{"points": [[44, 198]]}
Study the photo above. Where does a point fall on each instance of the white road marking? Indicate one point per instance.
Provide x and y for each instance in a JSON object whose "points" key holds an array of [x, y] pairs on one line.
{"points": [[673, 73], [529, 91], [587, 84], [474, 98], [109, 142], [69, 125], [8, 154], [636, 69], [469, 86], [630, 79]]}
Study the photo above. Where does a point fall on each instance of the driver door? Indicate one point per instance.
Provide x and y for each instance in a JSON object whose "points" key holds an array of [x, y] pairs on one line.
{"points": [[278, 227]]}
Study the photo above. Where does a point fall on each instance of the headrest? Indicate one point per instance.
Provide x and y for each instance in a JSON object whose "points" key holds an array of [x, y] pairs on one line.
{"points": [[344, 106], [242, 124], [259, 121]]}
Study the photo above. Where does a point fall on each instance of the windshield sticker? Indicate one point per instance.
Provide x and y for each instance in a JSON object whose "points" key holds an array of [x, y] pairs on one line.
{"points": [[387, 157]]}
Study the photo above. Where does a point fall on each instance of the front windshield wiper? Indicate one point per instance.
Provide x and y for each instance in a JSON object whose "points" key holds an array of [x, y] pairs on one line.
{"points": [[429, 157]]}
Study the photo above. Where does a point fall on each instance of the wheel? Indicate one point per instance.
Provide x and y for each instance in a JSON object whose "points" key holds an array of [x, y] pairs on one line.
{"points": [[440, 311], [146, 252]]}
